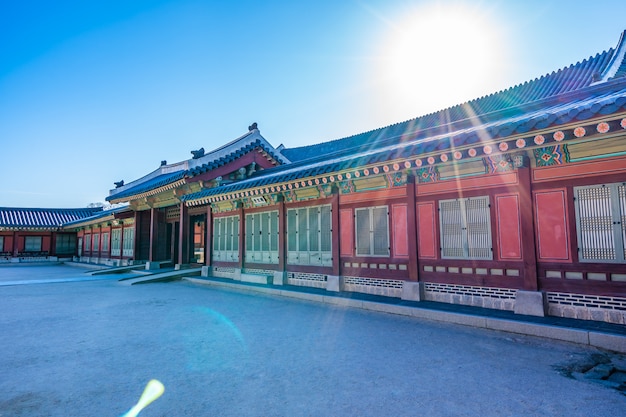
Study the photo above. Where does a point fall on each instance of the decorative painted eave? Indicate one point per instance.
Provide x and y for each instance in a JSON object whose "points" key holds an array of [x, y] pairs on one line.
{"points": [[504, 136], [40, 219]]}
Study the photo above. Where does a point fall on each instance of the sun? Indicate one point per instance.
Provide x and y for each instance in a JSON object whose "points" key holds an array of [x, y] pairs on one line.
{"points": [[441, 55]]}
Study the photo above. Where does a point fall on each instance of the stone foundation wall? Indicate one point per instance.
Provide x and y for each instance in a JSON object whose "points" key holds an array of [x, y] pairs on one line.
{"points": [[302, 279], [374, 286], [495, 298], [587, 307]]}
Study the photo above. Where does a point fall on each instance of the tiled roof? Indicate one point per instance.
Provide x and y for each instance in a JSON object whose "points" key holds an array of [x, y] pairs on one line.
{"points": [[235, 154], [39, 218], [146, 186], [507, 103], [170, 176], [413, 144]]}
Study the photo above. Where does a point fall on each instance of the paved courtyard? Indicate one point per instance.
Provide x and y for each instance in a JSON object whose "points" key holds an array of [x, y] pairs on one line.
{"points": [[87, 348]]}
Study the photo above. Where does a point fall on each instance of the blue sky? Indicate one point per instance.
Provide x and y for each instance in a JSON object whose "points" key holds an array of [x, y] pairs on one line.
{"points": [[92, 92]]}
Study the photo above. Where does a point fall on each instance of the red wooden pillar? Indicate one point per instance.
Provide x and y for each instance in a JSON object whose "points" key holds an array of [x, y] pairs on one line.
{"points": [[336, 232], [282, 236], [16, 248], [208, 245], [121, 240], [242, 236], [153, 234], [53, 243], [183, 235], [137, 226], [529, 252], [411, 229]]}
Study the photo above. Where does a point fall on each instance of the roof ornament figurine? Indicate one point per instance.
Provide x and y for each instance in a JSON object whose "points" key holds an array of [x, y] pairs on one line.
{"points": [[163, 162], [252, 127], [118, 184], [198, 154]]}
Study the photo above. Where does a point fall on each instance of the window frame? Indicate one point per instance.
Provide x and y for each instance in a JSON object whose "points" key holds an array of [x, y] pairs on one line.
{"points": [[226, 232], [65, 244], [262, 231], [28, 247], [128, 241], [317, 249], [116, 240], [371, 232], [615, 220], [465, 237]]}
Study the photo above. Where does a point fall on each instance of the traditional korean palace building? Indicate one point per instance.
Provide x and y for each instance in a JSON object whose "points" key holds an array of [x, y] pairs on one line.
{"points": [[513, 201]]}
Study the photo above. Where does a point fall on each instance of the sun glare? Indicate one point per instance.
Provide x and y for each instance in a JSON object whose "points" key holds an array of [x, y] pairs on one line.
{"points": [[440, 56]]}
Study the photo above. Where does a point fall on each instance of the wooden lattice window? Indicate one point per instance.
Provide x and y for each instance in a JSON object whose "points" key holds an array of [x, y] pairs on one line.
{"points": [[226, 239], [262, 237], [105, 242], [309, 236], [65, 244], [116, 238], [96, 242], [32, 244], [128, 242], [372, 231], [465, 228], [601, 222]]}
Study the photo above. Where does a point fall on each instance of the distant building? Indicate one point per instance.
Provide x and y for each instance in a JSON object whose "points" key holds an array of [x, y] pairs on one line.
{"points": [[513, 201], [34, 234]]}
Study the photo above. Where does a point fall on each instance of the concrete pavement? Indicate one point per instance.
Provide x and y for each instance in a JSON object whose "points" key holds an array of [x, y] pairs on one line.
{"points": [[88, 348]]}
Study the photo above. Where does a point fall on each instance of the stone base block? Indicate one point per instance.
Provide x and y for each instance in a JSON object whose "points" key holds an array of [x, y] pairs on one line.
{"points": [[151, 266], [412, 291], [256, 279], [334, 283], [280, 278], [531, 303], [206, 270]]}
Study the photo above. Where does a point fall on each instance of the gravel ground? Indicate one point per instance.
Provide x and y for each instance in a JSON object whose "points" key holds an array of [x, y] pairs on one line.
{"points": [[88, 349]]}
